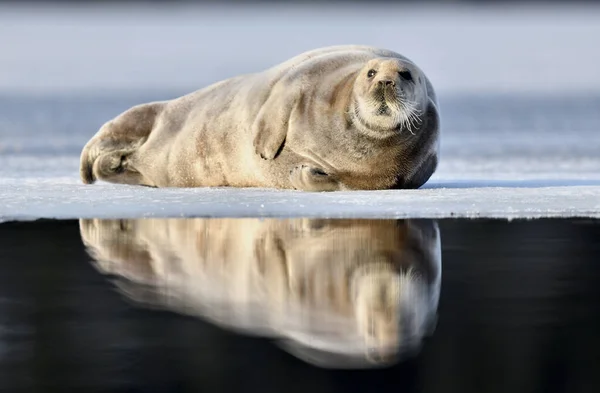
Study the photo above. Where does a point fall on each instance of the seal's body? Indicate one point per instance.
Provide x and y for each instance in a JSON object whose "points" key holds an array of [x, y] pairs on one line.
{"points": [[336, 118]]}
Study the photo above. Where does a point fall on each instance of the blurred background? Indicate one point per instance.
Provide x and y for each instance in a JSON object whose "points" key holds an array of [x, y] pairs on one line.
{"points": [[463, 46]]}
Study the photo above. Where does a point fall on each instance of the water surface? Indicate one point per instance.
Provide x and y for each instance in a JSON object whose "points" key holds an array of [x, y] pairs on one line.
{"points": [[299, 304]]}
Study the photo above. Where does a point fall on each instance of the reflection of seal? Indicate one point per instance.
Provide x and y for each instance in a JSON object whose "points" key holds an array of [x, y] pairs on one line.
{"points": [[341, 293], [336, 118]]}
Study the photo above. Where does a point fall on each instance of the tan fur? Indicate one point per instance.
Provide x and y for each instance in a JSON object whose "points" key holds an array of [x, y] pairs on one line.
{"points": [[308, 123], [362, 289]]}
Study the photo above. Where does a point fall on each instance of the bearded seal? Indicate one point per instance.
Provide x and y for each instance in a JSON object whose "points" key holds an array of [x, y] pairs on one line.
{"points": [[346, 117]]}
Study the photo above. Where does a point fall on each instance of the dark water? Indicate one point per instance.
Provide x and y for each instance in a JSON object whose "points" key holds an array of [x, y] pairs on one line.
{"points": [[245, 305]]}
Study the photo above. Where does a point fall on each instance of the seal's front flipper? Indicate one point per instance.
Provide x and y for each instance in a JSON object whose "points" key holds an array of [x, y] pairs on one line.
{"points": [[268, 138], [272, 122], [308, 178]]}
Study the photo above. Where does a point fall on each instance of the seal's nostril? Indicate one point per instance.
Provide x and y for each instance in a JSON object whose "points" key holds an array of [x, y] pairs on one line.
{"points": [[387, 82]]}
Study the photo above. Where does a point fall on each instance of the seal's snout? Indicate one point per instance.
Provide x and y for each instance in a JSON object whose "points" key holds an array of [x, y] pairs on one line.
{"points": [[387, 82], [386, 92]]}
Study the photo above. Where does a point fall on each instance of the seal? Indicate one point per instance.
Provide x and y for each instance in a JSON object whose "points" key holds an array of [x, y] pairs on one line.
{"points": [[346, 117], [336, 293]]}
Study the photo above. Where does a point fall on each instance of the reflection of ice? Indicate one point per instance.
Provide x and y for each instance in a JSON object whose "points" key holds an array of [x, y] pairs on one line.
{"points": [[337, 293]]}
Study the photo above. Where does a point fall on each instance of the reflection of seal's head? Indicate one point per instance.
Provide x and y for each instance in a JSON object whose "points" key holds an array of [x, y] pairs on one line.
{"points": [[389, 96], [390, 308]]}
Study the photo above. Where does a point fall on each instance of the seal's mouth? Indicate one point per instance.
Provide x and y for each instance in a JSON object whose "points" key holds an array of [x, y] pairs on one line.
{"points": [[383, 110], [386, 97]]}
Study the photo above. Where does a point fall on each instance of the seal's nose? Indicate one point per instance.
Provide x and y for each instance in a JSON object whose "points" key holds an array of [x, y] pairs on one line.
{"points": [[387, 82]]}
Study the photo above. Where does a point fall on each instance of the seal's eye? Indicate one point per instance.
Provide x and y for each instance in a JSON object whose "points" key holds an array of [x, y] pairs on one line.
{"points": [[405, 75], [371, 73]]}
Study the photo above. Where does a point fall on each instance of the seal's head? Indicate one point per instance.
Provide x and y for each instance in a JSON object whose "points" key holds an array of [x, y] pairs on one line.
{"points": [[389, 96]]}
